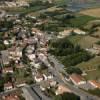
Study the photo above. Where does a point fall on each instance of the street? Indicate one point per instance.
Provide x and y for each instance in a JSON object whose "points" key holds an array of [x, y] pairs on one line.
{"points": [[59, 68]]}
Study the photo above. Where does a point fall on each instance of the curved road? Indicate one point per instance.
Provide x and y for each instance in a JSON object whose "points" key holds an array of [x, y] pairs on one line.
{"points": [[59, 68]]}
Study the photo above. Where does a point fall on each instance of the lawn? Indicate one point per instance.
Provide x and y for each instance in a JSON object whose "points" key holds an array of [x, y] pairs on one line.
{"points": [[91, 67], [84, 41], [24, 10], [21, 75], [93, 63], [91, 12], [81, 20], [93, 75]]}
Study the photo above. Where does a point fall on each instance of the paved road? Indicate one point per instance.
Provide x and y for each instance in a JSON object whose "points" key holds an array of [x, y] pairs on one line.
{"points": [[59, 67], [40, 93], [29, 94]]}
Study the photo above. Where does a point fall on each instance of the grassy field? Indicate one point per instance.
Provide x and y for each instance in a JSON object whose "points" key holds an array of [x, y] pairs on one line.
{"points": [[81, 20], [84, 41], [51, 9], [93, 75], [91, 67], [20, 75], [91, 12]]}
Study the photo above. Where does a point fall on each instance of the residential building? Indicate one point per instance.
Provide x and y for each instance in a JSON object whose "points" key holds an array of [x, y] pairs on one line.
{"points": [[77, 79], [8, 86], [78, 31], [10, 97], [48, 76], [39, 77], [95, 83], [7, 70]]}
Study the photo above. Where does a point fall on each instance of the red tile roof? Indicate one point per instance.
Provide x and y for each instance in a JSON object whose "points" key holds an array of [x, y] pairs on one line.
{"points": [[77, 78]]}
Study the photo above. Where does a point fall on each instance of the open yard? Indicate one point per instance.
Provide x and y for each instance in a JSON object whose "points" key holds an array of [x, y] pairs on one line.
{"points": [[91, 12]]}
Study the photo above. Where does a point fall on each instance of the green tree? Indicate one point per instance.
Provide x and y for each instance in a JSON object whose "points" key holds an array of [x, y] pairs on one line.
{"points": [[1, 84], [71, 70]]}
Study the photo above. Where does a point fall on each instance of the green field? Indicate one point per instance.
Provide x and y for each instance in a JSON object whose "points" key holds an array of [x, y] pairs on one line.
{"points": [[93, 75], [91, 67], [84, 41]]}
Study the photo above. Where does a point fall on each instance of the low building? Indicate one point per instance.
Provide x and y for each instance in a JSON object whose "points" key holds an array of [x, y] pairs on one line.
{"points": [[64, 33], [7, 70], [95, 83], [15, 53], [78, 31], [31, 56], [93, 51], [6, 42], [62, 89], [39, 77], [10, 97], [48, 76], [77, 79], [8, 86]]}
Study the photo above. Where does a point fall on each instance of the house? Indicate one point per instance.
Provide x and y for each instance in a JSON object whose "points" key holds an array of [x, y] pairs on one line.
{"points": [[31, 56], [5, 57], [39, 77], [48, 76], [62, 89], [6, 42], [78, 31], [64, 33], [15, 53], [42, 57], [77, 79], [95, 83], [8, 86], [93, 51], [7, 70], [10, 97]]}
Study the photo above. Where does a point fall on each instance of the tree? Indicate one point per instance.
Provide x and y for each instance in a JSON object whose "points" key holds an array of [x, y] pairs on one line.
{"points": [[1, 84], [8, 77], [71, 70], [67, 96]]}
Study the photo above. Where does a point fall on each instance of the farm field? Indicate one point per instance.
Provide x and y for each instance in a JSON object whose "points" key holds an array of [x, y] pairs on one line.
{"points": [[91, 68], [84, 41], [93, 75], [95, 12]]}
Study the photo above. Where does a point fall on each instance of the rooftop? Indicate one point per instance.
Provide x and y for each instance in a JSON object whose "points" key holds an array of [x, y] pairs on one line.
{"points": [[77, 78]]}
